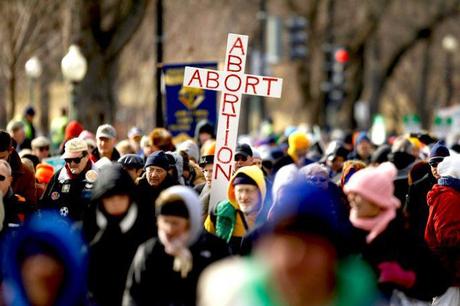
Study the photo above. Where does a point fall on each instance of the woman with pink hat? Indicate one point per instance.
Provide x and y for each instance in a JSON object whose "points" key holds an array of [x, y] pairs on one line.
{"points": [[404, 266]]}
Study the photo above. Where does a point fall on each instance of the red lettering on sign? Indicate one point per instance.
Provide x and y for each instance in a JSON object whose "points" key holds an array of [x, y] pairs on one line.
{"points": [[237, 63], [228, 100], [219, 155], [270, 80], [226, 137], [239, 45], [214, 79], [228, 119], [237, 77], [196, 75], [249, 83], [226, 174]]}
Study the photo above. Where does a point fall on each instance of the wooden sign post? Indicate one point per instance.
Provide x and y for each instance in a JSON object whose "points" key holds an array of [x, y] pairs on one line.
{"points": [[232, 82]]}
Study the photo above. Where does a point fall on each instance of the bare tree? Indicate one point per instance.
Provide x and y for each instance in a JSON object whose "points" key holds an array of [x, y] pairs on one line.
{"points": [[26, 28], [104, 28]]}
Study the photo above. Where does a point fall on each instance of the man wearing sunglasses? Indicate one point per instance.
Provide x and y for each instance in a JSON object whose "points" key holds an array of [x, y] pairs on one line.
{"points": [[69, 191], [416, 207]]}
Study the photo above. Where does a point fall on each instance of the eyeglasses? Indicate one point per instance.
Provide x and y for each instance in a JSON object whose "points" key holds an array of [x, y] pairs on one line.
{"points": [[240, 158], [76, 160], [2, 178], [41, 149]]}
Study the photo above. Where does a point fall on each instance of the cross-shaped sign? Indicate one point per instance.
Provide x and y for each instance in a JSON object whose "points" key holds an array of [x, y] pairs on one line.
{"points": [[232, 82]]}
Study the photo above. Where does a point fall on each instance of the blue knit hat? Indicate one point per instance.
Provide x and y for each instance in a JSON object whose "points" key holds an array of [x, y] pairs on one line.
{"points": [[157, 159], [439, 151]]}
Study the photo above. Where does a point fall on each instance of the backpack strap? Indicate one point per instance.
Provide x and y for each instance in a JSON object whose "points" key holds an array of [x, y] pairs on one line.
{"points": [[245, 224]]}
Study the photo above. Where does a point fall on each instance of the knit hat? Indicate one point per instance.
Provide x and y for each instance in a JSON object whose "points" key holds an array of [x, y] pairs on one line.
{"points": [[298, 140], [439, 151], [157, 159], [73, 129], [191, 148], [44, 173], [450, 166], [375, 184], [243, 179]]}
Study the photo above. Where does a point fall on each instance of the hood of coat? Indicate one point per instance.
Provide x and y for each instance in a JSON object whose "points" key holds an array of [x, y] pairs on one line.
{"points": [[193, 204], [254, 173], [50, 232]]}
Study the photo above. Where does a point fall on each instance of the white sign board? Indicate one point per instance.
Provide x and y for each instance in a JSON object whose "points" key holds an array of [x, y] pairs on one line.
{"points": [[232, 82]]}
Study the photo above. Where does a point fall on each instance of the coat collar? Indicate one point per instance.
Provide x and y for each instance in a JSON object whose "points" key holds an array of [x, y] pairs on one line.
{"points": [[125, 224]]}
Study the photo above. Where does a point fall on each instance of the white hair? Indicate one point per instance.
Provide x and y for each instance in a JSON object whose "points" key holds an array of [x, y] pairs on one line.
{"points": [[314, 168], [6, 165]]}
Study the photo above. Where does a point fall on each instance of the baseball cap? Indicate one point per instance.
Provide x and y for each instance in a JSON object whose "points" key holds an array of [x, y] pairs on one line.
{"points": [[243, 149], [74, 147], [106, 130]]}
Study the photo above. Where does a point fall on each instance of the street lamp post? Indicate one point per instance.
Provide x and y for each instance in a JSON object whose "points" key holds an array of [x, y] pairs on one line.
{"points": [[74, 66], [33, 69], [449, 44]]}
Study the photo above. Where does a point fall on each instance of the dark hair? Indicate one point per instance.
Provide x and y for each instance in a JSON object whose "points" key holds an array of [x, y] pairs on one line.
{"points": [[5, 141]]}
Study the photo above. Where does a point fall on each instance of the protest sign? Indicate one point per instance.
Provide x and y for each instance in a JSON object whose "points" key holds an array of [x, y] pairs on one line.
{"points": [[232, 82]]}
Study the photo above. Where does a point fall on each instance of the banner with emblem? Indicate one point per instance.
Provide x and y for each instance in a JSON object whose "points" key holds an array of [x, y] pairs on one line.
{"points": [[185, 106]]}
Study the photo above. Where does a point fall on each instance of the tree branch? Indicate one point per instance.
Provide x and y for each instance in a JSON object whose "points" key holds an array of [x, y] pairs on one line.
{"points": [[125, 29]]}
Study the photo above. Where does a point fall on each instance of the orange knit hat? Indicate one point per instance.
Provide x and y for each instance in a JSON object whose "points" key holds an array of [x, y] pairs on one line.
{"points": [[44, 173]]}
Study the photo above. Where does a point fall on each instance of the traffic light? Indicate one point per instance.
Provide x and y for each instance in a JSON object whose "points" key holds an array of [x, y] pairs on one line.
{"points": [[298, 37], [337, 81]]}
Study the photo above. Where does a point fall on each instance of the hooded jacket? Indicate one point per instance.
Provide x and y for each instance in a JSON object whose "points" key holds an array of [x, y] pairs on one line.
{"points": [[229, 221], [51, 231], [442, 232], [112, 241], [152, 280]]}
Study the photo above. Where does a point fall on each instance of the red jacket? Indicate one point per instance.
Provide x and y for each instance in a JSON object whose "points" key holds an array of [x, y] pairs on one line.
{"points": [[442, 232]]}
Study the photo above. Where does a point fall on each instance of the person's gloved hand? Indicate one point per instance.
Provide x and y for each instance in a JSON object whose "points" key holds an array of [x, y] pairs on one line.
{"points": [[392, 272]]}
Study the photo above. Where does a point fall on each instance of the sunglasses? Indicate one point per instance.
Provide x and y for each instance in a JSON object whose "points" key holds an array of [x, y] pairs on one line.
{"points": [[434, 163], [41, 149], [316, 179], [240, 158], [2, 178], [76, 160]]}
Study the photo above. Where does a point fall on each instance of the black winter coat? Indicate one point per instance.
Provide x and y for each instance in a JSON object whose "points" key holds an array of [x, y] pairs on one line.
{"points": [[416, 207], [153, 282], [395, 244], [112, 246]]}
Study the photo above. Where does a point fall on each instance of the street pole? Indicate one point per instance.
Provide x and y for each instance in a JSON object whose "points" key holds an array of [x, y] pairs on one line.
{"points": [[263, 57], [159, 60]]}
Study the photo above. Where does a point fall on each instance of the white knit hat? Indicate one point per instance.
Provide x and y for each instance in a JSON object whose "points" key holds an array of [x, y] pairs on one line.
{"points": [[450, 166]]}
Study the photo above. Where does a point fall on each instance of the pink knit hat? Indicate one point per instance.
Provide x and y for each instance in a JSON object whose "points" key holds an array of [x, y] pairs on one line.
{"points": [[375, 184]]}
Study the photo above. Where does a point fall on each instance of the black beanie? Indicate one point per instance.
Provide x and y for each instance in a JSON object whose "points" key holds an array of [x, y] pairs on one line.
{"points": [[157, 159], [242, 178], [175, 208]]}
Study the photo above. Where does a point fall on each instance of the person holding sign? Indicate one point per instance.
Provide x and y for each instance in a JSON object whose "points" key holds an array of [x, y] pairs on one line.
{"points": [[235, 217]]}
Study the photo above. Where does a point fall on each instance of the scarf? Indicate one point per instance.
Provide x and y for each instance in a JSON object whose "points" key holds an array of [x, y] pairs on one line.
{"points": [[183, 260], [374, 225]]}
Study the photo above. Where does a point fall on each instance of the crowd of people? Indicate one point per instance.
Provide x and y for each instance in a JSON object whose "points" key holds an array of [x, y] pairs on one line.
{"points": [[90, 218]]}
